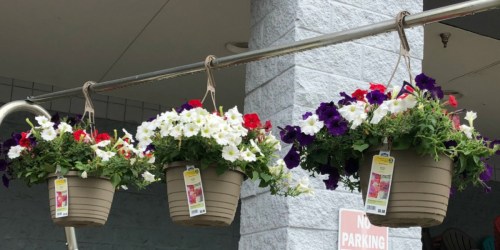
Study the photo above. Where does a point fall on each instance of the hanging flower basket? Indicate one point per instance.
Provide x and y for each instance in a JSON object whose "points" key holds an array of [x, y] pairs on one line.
{"points": [[217, 143], [89, 200], [434, 152], [419, 191], [221, 193], [65, 148]]}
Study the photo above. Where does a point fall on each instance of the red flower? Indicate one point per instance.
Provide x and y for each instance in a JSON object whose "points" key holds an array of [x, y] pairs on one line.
{"points": [[268, 126], [377, 86], [79, 134], [24, 142], [452, 101], [195, 103], [102, 137], [359, 94], [409, 88], [251, 121]]}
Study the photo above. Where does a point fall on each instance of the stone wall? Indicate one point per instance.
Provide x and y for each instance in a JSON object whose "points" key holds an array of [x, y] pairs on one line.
{"points": [[282, 89]]}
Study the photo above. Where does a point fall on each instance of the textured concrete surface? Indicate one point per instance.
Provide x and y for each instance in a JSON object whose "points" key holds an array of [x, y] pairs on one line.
{"points": [[282, 89]]}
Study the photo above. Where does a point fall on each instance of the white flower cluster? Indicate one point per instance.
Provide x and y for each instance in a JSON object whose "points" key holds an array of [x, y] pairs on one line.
{"points": [[470, 116], [227, 131], [287, 182]]}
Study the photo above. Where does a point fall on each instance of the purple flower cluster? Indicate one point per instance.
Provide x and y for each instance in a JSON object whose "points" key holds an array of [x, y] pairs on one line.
{"points": [[333, 176], [290, 134], [427, 83], [347, 99], [376, 97], [334, 122]]}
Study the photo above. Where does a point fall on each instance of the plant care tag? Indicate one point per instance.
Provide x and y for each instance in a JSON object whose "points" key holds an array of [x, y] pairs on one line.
{"points": [[194, 191], [379, 188], [62, 198]]}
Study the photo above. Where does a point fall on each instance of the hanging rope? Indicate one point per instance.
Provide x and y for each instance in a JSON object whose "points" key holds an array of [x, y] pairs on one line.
{"points": [[404, 47], [89, 106], [210, 80]]}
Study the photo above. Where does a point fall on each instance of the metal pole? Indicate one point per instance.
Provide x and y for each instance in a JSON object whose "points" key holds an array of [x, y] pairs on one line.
{"points": [[430, 16], [18, 106]]}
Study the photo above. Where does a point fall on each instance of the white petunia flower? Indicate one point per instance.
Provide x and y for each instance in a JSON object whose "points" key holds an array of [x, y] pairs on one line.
{"points": [[188, 116], [221, 138], [409, 102], [230, 153], [206, 132], [128, 135], [354, 113], [303, 185], [124, 187], [379, 113], [145, 130], [255, 147], [467, 130], [470, 116], [105, 155], [190, 130], [165, 129], [44, 122], [152, 160], [234, 116], [149, 177], [64, 128], [49, 134], [271, 139], [102, 144], [15, 151], [84, 175], [311, 125], [396, 106], [176, 131], [247, 155]]}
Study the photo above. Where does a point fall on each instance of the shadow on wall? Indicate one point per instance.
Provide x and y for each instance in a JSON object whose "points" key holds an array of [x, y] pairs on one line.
{"points": [[138, 219], [472, 211]]}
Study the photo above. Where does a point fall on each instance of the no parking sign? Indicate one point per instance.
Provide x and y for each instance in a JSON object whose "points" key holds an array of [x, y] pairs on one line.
{"points": [[356, 232]]}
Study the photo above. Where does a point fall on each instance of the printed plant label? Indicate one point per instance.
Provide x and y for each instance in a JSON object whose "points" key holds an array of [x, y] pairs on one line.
{"points": [[379, 188], [62, 197], [194, 192]]}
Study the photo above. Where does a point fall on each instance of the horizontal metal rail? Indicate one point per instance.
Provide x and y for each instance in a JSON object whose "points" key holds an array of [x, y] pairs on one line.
{"points": [[429, 16]]}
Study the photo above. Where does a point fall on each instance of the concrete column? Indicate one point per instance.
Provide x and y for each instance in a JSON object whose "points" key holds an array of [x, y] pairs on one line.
{"points": [[282, 89]]}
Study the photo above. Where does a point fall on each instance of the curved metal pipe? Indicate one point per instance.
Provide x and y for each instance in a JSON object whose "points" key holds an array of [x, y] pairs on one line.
{"points": [[17, 106]]}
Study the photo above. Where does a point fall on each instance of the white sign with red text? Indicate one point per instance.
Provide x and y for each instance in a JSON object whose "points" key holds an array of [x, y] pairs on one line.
{"points": [[356, 232]]}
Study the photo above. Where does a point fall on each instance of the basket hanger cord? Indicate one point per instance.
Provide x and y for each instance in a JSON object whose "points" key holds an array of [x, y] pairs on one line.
{"points": [[404, 48], [89, 106], [210, 80]]}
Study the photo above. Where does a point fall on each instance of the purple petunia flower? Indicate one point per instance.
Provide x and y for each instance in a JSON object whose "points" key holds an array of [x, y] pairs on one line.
{"points": [[376, 97], [3, 165], [450, 143], [304, 139], [492, 145], [289, 133], [150, 147], [347, 99], [292, 159], [337, 126], [183, 107], [75, 120], [56, 119], [333, 180], [327, 111], [424, 82], [306, 115], [436, 92], [487, 173], [351, 166]]}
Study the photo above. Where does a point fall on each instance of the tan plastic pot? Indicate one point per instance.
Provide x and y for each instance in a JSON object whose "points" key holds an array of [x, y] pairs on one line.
{"points": [[89, 200], [222, 193], [419, 193]]}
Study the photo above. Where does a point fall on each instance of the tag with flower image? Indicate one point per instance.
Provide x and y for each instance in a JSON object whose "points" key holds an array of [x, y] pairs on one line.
{"points": [[62, 198], [194, 191], [377, 197]]}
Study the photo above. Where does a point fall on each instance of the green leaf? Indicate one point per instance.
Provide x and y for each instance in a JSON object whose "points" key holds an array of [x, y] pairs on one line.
{"points": [[265, 177], [402, 143], [115, 180], [255, 175], [320, 157], [360, 146]]}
